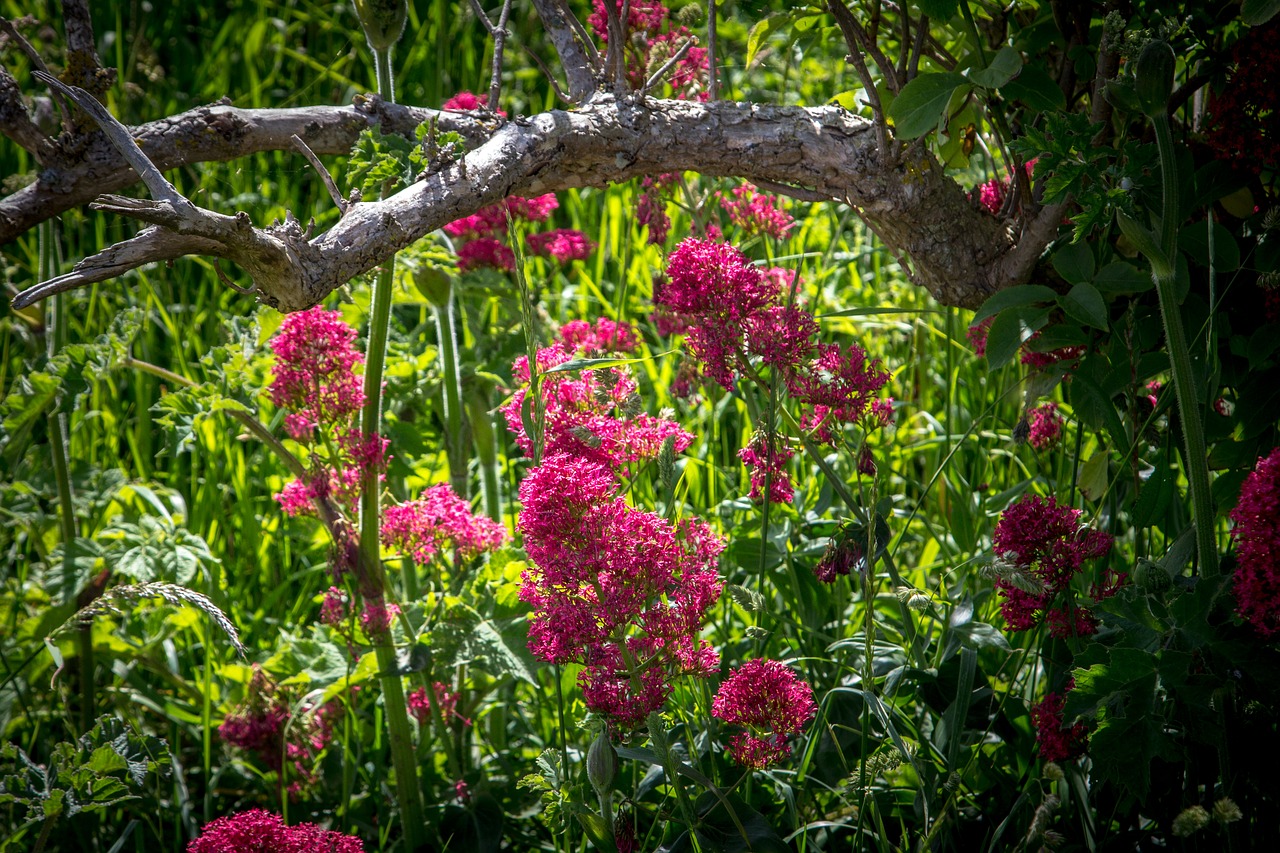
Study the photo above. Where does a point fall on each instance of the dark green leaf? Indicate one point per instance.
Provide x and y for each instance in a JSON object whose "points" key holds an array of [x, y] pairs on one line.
{"points": [[920, 105], [1013, 297], [1074, 262], [1004, 66], [1255, 13], [1085, 303], [940, 11], [1035, 88], [1009, 331], [1122, 277]]}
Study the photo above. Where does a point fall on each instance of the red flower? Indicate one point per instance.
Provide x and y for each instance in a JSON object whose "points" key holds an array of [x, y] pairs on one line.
{"points": [[1257, 538], [767, 698]]}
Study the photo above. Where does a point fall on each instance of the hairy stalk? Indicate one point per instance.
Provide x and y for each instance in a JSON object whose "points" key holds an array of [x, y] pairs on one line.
{"points": [[400, 736], [1164, 272], [486, 448], [56, 339], [662, 745]]}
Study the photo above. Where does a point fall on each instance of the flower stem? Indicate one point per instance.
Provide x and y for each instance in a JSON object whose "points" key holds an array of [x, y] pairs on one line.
{"points": [[1164, 272], [454, 444], [662, 745]]}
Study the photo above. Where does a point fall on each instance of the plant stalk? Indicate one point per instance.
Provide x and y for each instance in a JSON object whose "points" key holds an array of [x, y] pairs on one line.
{"points": [[454, 442]]}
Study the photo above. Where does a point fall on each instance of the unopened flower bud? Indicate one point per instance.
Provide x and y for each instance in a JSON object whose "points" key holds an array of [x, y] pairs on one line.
{"points": [[602, 762], [383, 21]]}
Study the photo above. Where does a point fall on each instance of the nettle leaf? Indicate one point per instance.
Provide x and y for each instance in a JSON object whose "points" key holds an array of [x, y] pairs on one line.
{"points": [[378, 162], [920, 105]]}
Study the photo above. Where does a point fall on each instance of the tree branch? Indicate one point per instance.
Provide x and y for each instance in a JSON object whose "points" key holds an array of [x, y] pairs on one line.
{"points": [[821, 152], [577, 68]]}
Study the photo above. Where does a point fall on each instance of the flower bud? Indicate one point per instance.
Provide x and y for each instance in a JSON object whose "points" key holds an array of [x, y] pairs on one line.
{"points": [[602, 762], [383, 21], [1153, 78], [434, 283]]}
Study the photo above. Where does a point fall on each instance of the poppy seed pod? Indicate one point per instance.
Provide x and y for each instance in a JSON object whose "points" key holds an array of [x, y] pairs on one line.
{"points": [[383, 21]]}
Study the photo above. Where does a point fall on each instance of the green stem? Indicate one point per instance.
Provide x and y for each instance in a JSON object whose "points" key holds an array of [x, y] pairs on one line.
{"points": [[454, 444], [1164, 272], [56, 339], [483, 440], [662, 745]]}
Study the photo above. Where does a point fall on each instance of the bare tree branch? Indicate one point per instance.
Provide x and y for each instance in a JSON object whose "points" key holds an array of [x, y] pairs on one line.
{"points": [[577, 68], [16, 124], [822, 152], [215, 133], [499, 47], [334, 192]]}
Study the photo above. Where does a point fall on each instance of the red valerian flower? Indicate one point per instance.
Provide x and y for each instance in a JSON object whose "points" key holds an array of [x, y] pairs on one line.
{"points": [[1042, 547], [562, 244], [438, 518], [755, 212], [420, 704], [1257, 540], [1046, 426], [258, 831], [766, 458], [771, 702], [606, 336], [1056, 742]]}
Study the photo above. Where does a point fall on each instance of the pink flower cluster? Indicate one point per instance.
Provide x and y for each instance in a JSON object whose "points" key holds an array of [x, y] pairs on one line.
{"points": [[771, 702], [265, 725], [1257, 540], [992, 194], [651, 207], [621, 591], [735, 317], [590, 414], [755, 212], [258, 831], [977, 335], [1056, 742], [562, 244], [649, 47], [1045, 426], [466, 101], [439, 517], [766, 458], [315, 380], [1046, 545], [606, 336], [420, 704], [483, 229]]}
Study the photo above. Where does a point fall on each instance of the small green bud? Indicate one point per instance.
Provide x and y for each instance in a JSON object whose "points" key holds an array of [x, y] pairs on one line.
{"points": [[602, 762], [1152, 577], [383, 21], [1153, 78], [434, 283]]}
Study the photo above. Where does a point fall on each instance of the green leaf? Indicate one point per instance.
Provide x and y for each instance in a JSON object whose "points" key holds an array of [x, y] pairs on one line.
{"points": [[1035, 88], [940, 11], [1255, 13], [1086, 304], [920, 105], [1094, 475], [1009, 331], [1122, 277], [1004, 66], [1013, 297], [759, 33], [1074, 262]]}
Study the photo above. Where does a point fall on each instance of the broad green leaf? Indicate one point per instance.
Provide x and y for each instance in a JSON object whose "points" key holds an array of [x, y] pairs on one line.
{"points": [[920, 105], [1004, 66], [940, 11], [1009, 331], [758, 34], [1255, 13], [1085, 303], [1094, 475], [1035, 88], [1013, 297], [1074, 262], [1122, 277]]}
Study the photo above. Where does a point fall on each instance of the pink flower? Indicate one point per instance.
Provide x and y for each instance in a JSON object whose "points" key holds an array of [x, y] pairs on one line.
{"points": [[334, 610], [977, 334], [592, 414], [766, 460], [446, 699], [1056, 742], [315, 367], [1044, 543], [756, 213], [439, 517], [562, 244], [485, 222], [1257, 540], [651, 207], [621, 591], [1046, 426], [258, 831], [767, 698], [840, 384], [535, 209], [377, 617], [465, 101], [606, 336], [485, 252]]}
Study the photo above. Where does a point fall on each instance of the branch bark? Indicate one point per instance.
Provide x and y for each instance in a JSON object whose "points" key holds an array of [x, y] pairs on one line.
{"points": [[821, 152]]}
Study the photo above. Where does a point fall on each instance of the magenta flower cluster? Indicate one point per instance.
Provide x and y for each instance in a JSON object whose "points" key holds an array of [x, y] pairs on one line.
{"points": [[992, 194], [1056, 741], [266, 726], [651, 39], [316, 382], [621, 591], [755, 213], [447, 700], [439, 518], [562, 245], [771, 702], [604, 337], [1045, 423], [1046, 545], [1257, 541], [258, 831], [589, 414], [736, 321]]}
